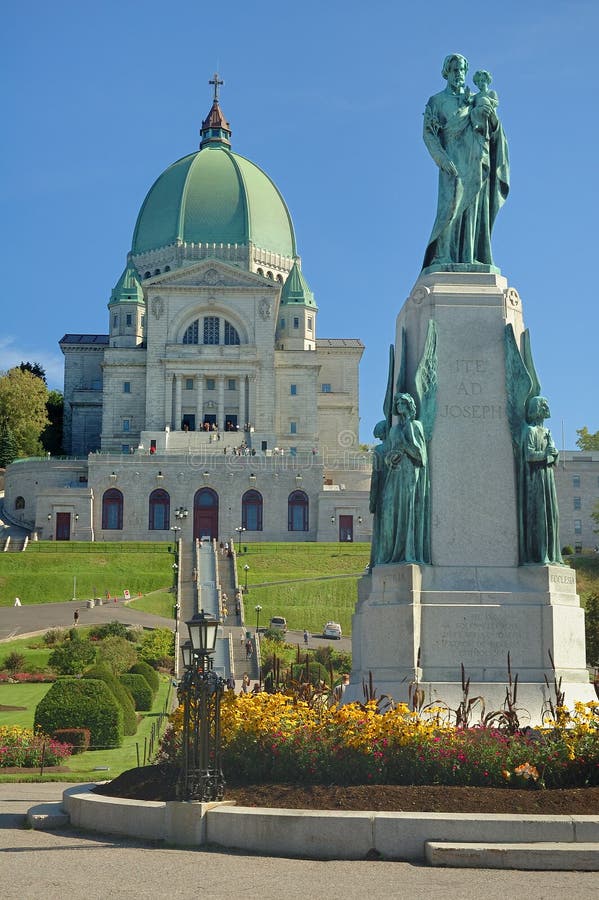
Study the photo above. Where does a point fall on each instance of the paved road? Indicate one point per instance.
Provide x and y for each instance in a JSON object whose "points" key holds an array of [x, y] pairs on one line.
{"points": [[84, 866], [33, 618]]}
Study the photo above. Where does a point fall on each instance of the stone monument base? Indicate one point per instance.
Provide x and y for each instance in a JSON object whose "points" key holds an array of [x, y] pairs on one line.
{"points": [[420, 623]]}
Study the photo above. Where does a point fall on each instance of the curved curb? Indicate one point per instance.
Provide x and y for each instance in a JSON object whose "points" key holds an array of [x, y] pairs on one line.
{"points": [[318, 834]]}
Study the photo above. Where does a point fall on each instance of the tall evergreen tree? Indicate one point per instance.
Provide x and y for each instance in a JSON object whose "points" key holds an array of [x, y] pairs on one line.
{"points": [[8, 446]]}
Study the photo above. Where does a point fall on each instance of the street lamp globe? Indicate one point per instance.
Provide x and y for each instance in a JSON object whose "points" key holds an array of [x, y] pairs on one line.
{"points": [[203, 628]]}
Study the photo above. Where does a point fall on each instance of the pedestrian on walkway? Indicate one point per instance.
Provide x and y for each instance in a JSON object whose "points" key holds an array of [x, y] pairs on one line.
{"points": [[306, 636], [248, 648], [245, 683], [17, 602], [76, 617]]}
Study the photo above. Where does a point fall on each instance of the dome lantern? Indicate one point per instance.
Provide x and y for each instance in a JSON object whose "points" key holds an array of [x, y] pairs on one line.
{"points": [[215, 130]]}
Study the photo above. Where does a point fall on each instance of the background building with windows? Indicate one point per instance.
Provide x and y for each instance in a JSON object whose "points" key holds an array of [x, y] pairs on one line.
{"points": [[211, 390]]}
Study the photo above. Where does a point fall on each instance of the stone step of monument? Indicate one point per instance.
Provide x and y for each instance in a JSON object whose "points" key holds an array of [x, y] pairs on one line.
{"points": [[543, 856], [47, 816]]}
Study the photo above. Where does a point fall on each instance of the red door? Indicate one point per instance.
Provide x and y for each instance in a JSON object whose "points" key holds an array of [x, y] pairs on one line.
{"points": [[63, 526], [346, 528], [205, 514]]}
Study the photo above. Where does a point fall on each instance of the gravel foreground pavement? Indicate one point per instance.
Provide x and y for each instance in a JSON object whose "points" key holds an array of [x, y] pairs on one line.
{"points": [[85, 866]]}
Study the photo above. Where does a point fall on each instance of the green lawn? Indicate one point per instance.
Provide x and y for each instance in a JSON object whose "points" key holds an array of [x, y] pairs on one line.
{"points": [[23, 695], [158, 603], [45, 572], [84, 766], [295, 581], [33, 649]]}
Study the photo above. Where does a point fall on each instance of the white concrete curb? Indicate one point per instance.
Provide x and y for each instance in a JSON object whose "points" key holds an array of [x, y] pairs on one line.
{"points": [[319, 834]]}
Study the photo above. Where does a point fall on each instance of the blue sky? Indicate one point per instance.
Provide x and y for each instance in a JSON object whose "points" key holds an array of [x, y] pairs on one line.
{"points": [[327, 98]]}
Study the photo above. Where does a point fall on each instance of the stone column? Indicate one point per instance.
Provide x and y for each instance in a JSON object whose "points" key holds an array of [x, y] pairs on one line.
{"points": [[178, 383], [220, 418], [251, 412], [168, 400], [199, 401]]}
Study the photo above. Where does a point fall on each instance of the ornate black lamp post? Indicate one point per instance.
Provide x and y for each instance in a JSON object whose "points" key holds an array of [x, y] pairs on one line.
{"points": [[201, 777], [240, 529], [257, 610], [246, 569]]}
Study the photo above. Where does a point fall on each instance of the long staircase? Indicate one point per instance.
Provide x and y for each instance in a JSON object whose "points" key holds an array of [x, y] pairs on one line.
{"points": [[234, 621], [207, 581]]}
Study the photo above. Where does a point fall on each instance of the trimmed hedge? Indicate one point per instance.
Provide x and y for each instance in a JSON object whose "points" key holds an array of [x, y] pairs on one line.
{"points": [[148, 672], [82, 703], [120, 693], [139, 688], [78, 738]]}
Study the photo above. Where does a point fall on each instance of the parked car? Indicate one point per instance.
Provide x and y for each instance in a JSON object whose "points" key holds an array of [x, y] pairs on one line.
{"points": [[278, 623], [332, 630]]}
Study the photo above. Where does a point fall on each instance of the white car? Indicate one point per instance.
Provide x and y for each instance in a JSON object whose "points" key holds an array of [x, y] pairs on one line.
{"points": [[332, 630]]}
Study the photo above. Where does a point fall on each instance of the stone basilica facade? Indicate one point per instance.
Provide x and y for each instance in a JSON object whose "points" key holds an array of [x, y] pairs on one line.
{"points": [[211, 392]]}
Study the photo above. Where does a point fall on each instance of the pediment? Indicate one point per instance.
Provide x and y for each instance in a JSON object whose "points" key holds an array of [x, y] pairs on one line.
{"points": [[210, 274]]}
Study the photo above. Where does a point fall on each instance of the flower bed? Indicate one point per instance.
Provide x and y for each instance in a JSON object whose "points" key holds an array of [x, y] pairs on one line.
{"points": [[26, 677], [25, 748], [278, 738]]}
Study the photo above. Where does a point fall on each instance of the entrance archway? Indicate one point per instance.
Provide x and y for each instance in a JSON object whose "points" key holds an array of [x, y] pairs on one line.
{"points": [[205, 514]]}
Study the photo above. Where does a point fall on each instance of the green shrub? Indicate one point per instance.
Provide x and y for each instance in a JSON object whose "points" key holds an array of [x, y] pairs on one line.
{"points": [[139, 689], [120, 693], [274, 634], [14, 662], [78, 738], [118, 653], [72, 657], [568, 550], [53, 636], [591, 627], [149, 673], [110, 629], [82, 703], [158, 646], [317, 673]]}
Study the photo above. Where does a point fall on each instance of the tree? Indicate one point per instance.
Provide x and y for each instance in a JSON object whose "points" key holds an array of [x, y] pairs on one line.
{"points": [[8, 446], [595, 517], [35, 369], [23, 399], [52, 435], [72, 657], [586, 439], [118, 653]]}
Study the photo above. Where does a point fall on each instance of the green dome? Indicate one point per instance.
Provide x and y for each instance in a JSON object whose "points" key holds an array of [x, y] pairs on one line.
{"points": [[214, 196]]}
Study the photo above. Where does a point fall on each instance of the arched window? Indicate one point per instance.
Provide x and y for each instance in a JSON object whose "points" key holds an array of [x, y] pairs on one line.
{"points": [[260, 271], [280, 278], [251, 511], [191, 334], [211, 330], [297, 511], [112, 510], [160, 506], [167, 268], [231, 335], [147, 274], [156, 271], [20, 503]]}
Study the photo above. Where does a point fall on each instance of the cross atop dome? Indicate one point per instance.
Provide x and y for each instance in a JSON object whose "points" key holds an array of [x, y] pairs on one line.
{"points": [[215, 130], [216, 82]]}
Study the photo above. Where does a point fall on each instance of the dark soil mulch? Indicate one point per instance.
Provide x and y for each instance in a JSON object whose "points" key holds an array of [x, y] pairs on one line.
{"points": [[10, 708], [158, 783]]}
